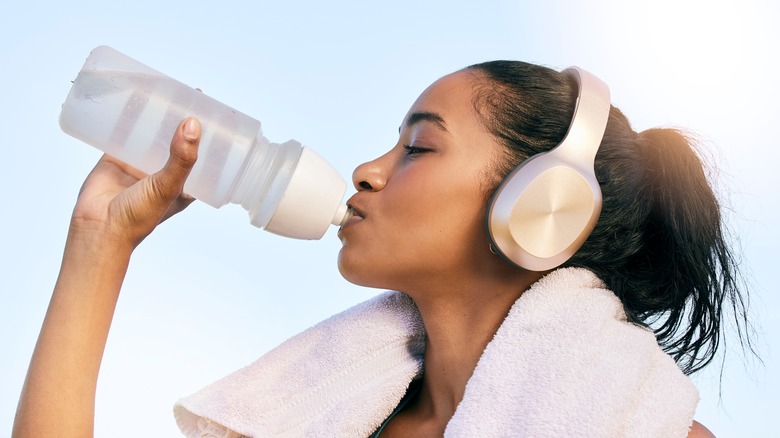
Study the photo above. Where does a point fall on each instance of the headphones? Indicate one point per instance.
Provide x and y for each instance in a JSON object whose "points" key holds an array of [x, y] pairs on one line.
{"points": [[548, 205]]}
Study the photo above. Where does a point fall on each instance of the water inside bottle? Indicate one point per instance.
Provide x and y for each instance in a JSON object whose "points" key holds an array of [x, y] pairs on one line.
{"points": [[133, 117]]}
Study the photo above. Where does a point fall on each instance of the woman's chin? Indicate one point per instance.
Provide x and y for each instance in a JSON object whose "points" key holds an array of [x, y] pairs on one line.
{"points": [[348, 270], [359, 274]]}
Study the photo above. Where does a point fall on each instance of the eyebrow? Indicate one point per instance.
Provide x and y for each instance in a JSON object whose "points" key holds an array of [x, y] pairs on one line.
{"points": [[418, 117]]}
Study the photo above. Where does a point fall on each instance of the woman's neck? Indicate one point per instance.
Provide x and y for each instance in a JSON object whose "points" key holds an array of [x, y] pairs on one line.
{"points": [[460, 321]]}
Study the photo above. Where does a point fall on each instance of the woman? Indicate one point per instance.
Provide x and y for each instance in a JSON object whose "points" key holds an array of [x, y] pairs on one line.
{"points": [[419, 227]]}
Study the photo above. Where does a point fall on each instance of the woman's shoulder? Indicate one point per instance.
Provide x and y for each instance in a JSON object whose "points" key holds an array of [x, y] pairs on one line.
{"points": [[699, 431]]}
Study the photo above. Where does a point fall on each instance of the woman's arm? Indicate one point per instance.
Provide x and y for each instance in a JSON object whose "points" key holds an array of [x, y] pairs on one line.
{"points": [[115, 211]]}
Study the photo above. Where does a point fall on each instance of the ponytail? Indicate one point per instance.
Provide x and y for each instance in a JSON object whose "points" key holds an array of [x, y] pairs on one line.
{"points": [[676, 269], [685, 250]]}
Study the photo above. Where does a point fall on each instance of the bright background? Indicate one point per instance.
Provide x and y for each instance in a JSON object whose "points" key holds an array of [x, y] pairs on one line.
{"points": [[208, 293]]}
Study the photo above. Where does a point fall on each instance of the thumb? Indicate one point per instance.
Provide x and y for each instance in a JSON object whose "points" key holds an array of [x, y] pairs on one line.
{"points": [[184, 149], [169, 181]]}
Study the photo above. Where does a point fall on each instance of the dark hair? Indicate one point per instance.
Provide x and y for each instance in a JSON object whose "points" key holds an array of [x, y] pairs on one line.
{"points": [[659, 243]]}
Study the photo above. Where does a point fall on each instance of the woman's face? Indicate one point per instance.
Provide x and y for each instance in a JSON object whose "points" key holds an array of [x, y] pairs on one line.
{"points": [[420, 208]]}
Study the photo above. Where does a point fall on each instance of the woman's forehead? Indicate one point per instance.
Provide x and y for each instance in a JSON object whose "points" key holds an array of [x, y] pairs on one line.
{"points": [[450, 98]]}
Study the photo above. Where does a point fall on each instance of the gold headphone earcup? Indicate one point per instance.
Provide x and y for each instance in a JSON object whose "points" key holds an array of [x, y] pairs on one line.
{"points": [[543, 212], [552, 212]]}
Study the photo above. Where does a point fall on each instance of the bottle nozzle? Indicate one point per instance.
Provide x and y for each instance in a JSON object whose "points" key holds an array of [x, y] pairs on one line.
{"points": [[343, 213], [306, 209]]}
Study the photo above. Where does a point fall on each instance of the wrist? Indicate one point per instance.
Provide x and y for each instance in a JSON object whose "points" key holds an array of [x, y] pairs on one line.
{"points": [[88, 241]]}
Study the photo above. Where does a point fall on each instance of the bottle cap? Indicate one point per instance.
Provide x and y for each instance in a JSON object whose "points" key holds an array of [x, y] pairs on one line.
{"points": [[312, 201]]}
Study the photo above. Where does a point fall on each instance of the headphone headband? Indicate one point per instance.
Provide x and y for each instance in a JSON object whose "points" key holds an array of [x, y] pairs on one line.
{"points": [[591, 112], [547, 206]]}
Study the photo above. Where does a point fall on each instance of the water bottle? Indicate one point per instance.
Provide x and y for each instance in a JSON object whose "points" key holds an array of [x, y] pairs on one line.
{"points": [[131, 111]]}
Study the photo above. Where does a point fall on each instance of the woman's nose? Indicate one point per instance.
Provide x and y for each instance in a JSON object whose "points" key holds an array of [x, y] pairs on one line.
{"points": [[370, 175]]}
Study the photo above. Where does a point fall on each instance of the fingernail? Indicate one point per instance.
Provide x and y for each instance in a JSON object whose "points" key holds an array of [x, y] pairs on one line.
{"points": [[191, 128]]}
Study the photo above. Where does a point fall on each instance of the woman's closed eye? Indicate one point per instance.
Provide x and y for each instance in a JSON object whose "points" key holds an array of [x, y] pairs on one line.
{"points": [[414, 150]]}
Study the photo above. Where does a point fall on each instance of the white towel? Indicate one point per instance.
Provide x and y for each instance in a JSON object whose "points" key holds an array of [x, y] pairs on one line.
{"points": [[564, 363]]}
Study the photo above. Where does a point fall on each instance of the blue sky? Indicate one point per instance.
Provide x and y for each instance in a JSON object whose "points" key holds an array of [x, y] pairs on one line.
{"points": [[208, 293]]}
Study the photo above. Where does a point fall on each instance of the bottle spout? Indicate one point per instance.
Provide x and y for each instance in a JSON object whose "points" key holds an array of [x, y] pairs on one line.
{"points": [[314, 193], [343, 214]]}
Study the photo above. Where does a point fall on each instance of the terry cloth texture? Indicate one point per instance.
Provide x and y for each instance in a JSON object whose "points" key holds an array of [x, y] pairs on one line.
{"points": [[565, 362]]}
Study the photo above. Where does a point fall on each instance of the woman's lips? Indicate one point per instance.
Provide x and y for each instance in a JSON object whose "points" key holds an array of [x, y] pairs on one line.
{"points": [[357, 216]]}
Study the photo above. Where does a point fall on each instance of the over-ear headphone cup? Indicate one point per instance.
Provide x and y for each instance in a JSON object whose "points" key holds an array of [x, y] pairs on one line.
{"points": [[543, 212], [552, 212]]}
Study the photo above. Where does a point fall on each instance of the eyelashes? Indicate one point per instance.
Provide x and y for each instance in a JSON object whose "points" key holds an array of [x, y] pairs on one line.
{"points": [[414, 150]]}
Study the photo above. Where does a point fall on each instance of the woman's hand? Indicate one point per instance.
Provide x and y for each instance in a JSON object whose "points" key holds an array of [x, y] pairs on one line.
{"points": [[116, 209], [124, 205]]}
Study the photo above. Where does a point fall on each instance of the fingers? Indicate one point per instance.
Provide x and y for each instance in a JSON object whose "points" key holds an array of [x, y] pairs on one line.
{"points": [[129, 170]]}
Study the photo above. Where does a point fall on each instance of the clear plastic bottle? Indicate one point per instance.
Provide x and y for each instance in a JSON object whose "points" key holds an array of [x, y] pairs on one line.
{"points": [[131, 111]]}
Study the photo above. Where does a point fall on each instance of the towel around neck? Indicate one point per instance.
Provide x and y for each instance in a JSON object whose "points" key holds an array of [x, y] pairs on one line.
{"points": [[565, 362]]}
